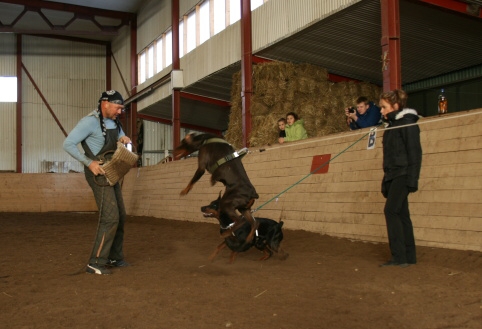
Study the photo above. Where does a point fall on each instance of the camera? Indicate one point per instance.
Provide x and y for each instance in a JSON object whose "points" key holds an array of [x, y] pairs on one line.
{"points": [[351, 110]]}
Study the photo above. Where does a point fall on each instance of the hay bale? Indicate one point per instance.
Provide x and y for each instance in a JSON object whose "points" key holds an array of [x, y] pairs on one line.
{"points": [[280, 88]]}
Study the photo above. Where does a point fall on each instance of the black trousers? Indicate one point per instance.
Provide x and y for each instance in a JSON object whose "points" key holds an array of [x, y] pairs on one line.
{"points": [[399, 225], [109, 238]]}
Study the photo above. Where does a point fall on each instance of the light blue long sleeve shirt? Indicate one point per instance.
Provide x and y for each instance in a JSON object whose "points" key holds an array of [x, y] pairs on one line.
{"points": [[88, 129]]}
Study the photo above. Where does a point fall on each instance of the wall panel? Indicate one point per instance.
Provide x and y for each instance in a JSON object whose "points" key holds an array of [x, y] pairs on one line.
{"points": [[8, 130], [121, 73], [71, 76]]}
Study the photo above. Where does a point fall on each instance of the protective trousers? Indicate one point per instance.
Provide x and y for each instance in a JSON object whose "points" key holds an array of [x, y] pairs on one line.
{"points": [[109, 238], [110, 231], [399, 225]]}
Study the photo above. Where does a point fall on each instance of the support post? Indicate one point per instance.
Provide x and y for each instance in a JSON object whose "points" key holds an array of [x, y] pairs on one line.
{"points": [[19, 105], [133, 106], [391, 55], [176, 93], [246, 69]]}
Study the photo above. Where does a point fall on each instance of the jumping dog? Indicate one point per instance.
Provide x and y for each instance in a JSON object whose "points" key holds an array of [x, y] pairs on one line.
{"points": [[220, 159]]}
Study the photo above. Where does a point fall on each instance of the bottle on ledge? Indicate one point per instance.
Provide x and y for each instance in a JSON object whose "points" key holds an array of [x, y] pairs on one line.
{"points": [[442, 102]]}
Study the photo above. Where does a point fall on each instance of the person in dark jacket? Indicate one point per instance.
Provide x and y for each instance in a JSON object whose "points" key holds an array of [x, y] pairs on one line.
{"points": [[366, 114], [402, 160]]}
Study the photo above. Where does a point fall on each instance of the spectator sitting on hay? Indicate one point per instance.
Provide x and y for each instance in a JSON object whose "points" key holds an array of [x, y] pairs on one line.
{"points": [[281, 127], [366, 114], [295, 129]]}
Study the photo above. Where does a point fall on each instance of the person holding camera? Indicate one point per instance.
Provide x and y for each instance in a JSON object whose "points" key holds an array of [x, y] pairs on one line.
{"points": [[366, 114]]}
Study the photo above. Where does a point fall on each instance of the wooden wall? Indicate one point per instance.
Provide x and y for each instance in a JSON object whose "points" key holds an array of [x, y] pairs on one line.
{"points": [[45, 192], [344, 202]]}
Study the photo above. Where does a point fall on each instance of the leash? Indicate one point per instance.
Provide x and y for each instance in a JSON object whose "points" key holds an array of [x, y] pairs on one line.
{"points": [[317, 169]]}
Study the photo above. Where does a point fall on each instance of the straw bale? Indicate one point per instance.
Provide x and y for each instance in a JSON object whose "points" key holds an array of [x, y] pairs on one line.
{"points": [[280, 88]]}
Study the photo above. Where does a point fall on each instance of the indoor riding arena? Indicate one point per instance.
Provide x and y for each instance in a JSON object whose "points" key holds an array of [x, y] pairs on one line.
{"points": [[331, 277], [326, 189]]}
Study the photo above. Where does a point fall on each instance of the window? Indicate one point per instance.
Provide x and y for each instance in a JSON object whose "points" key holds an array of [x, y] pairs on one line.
{"points": [[8, 89], [255, 4], [181, 39], [219, 15], [235, 11], [168, 41], [142, 67], [208, 18], [160, 64], [204, 26], [191, 31], [150, 62]]}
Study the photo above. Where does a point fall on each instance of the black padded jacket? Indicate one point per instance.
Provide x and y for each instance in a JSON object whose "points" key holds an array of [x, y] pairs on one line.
{"points": [[402, 151]]}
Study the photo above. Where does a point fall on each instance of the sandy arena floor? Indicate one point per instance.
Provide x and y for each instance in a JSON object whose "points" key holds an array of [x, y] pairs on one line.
{"points": [[325, 282]]}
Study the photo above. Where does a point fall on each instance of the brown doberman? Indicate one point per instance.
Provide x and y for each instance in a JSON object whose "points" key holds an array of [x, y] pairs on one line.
{"points": [[219, 158], [267, 239]]}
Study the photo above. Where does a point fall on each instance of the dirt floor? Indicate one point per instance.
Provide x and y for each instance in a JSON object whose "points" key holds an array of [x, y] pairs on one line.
{"points": [[325, 282]]}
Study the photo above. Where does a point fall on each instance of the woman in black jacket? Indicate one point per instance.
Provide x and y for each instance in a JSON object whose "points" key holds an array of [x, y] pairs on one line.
{"points": [[402, 159]]}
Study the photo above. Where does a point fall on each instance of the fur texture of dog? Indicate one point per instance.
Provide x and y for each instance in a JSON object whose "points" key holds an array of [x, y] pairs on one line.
{"points": [[240, 194], [268, 238]]}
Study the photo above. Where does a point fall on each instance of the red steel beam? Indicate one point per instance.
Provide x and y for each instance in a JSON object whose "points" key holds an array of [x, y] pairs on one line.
{"points": [[183, 125], [176, 94], [390, 42], [80, 12], [246, 68], [69, 38], [454, 5], [205, 99], [256, 59], [19, 105], [133, 58], [35, 5]]}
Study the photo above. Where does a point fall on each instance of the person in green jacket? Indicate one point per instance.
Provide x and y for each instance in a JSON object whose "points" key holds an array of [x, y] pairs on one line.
{"points": [[295, 129]]}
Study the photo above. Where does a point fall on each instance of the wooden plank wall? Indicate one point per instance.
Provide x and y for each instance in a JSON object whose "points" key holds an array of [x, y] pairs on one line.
{"points": [[45, 192], [346, 201]]}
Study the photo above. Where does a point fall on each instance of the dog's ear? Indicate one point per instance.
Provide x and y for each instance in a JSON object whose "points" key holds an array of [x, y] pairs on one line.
{"points": [[219, 197], [188, 138]]}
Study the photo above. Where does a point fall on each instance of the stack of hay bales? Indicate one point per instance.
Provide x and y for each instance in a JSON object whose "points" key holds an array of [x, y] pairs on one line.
{"points": [[279, 88]]}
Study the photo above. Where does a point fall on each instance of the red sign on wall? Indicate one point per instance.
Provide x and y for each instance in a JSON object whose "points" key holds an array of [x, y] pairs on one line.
{"points": [[320, 164]]}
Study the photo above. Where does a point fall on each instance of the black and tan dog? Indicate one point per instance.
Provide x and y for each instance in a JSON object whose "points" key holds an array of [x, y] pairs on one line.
{"points": [[219, 158], [268, 238]]}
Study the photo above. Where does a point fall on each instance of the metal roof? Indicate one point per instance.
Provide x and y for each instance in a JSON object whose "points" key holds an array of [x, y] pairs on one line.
{"points": [[434, 41]]}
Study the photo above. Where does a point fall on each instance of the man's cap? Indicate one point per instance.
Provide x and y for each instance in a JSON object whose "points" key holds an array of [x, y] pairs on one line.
{"points": [[112, 96]]}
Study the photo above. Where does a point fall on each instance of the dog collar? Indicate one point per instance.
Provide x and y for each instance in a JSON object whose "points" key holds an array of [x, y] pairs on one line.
{"points": [[227, 158], [215, 140]]}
